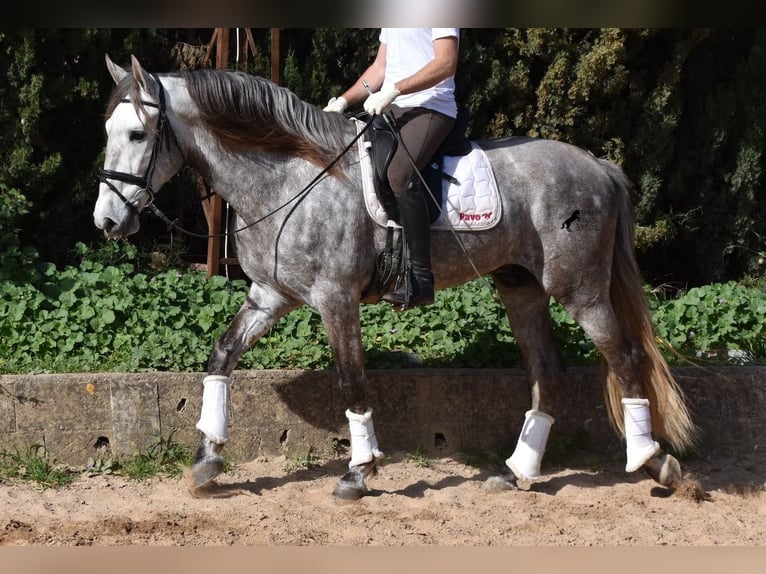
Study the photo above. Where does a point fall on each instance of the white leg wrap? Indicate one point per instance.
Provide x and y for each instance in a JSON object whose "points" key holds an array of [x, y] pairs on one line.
{"points": [[638, 433], [525, 460], [214, 419], [364, 445]]}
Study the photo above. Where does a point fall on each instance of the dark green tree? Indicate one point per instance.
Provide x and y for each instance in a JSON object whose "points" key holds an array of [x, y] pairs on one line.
{"points": [[53, 89], [681, 110]]}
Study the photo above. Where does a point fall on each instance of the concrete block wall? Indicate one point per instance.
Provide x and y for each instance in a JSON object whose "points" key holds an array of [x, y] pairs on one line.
{"points": [[440, 411]]}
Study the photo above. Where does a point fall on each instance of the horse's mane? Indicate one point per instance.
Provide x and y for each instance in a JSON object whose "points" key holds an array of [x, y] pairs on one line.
{"points": [[247, 112]]}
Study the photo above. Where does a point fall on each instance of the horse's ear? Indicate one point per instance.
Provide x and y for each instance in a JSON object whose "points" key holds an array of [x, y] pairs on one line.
{"points": [[117, 73], [144, 79]]}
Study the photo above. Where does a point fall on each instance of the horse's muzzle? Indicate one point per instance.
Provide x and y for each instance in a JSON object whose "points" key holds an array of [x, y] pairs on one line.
{"points": [[114, 228]]}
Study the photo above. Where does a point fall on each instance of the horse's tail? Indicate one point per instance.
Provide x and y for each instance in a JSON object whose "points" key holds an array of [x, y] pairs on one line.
{"points": [[671, 419]]}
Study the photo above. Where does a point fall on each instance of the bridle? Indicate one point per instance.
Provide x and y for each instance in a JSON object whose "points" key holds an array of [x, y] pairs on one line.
{"points": [[163, 132]]}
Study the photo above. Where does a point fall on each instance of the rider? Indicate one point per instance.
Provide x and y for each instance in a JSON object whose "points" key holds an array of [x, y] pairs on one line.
{"points": [[413, 77]]}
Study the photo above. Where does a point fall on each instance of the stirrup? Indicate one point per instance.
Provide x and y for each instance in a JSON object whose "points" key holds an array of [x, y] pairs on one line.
{"points": [[405, 296], [400, 303]]}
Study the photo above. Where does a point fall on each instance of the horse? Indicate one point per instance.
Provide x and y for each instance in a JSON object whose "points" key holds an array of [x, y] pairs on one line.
{"points": [[256, 144]]}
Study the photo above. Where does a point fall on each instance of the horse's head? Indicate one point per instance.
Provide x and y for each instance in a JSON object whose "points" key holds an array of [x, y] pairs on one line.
{"points": [[141, 150]]}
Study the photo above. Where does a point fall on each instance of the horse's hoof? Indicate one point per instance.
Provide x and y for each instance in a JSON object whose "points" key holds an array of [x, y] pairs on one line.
{"points": [[351, 486], [204, 471], [501, 482], [665, 470], [208, 463]]}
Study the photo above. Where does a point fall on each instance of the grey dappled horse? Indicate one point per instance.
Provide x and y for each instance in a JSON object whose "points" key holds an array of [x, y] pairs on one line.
{"points": [[566, 232]]}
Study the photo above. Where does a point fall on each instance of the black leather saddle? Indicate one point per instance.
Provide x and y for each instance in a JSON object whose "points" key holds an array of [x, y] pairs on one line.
{"points": [[384, 144]]}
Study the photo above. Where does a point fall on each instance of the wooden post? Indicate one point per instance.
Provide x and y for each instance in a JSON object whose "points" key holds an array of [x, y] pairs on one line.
{"points": [[213, 204], [275, 55], [249, 44]]}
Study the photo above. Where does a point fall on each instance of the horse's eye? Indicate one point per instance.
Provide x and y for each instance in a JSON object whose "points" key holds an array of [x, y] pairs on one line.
{"points": [[137, 135]]}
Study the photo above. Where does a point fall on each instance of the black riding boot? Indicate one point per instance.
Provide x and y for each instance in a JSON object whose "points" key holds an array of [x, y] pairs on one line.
{"points": [[417, 286]]}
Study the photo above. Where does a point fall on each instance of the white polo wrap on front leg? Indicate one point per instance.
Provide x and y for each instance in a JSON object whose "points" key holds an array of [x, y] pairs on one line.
{"points": [[214, 419], [364, 444], [638, 433], [526, 459]]}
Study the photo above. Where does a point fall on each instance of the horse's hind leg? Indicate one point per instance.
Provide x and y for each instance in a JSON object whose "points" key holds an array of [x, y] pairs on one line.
{"points": [[260, 311], [527, 307], [626, 360], [340, 314]]}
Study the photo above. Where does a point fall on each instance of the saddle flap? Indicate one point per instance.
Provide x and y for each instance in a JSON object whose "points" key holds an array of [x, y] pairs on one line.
{"points": [[382, 147], [469, 197]]}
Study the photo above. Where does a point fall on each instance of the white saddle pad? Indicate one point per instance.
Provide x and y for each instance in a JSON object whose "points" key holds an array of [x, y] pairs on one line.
{"points": [[469, 203]]}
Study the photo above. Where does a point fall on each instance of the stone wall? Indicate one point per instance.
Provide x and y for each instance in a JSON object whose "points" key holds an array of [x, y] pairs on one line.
{"points": [[439, 411]]}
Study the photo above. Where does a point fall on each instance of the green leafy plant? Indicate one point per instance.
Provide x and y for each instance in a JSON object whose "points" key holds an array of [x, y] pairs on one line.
{"points": [[165, 457], [115, 318], [305, 462], [106, 315], [36, 466], [420, 458], [101, 466], [721, 321]]}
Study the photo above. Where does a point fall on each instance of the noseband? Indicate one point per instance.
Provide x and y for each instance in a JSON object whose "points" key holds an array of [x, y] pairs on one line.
{"points": [[163, 132]]}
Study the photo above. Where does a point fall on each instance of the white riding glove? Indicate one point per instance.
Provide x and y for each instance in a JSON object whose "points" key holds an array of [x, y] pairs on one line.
{"points": [[377, 102], [338, 105]]}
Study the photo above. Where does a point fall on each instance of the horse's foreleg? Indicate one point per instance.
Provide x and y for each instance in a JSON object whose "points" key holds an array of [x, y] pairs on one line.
{"points": [[261, 310], [213, 425], [341, 320], [527, 307]]}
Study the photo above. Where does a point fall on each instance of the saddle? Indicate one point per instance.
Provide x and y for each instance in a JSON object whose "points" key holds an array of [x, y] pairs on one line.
{"points": [[383, 146]]}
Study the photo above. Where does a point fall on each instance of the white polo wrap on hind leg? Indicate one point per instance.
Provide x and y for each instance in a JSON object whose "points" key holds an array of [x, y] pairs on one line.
{"points": [[214, 419], [528, 455], [638, 433], [364, 444]]}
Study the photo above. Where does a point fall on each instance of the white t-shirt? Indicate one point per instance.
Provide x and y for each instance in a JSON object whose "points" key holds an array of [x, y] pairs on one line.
{"points": [[408, 50]]}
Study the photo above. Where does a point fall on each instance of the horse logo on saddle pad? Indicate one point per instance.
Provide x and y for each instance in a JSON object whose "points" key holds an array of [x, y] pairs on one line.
{"points": [[463, 186]]}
